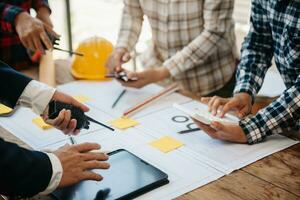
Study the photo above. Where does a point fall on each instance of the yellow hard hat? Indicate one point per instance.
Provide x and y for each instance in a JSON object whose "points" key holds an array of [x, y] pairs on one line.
{"points": [[91, 66]]}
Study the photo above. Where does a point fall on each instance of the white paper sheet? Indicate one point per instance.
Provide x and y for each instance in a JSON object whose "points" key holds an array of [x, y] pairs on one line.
{"points": [[200, 161], [183, 170], [224, 156], [20, 124], [103, 95]]}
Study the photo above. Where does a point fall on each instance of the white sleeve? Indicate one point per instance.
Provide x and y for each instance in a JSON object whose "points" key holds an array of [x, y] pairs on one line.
{"points": [[57, 172], [36, 96]]}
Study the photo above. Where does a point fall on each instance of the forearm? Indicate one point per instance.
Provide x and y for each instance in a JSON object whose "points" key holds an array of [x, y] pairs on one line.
{"points": [[8, 14], [131, 25], [217, 16], [257, 52], [281, 115], [23, 172]]}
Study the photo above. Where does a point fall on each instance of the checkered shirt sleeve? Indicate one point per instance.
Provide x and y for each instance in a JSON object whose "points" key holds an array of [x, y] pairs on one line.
{"points": [[8, 13], [283, 114]]}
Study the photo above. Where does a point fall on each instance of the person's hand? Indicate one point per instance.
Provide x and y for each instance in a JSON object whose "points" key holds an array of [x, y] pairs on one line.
{"points": [[240, 103], [78, 160], [33, 32], [44, 15], [63, 121], [221, 131], [146, 77], [116, 59]]}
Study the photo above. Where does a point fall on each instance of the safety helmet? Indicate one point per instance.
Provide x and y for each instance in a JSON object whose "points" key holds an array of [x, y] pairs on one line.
{"points": [[91, 66]]}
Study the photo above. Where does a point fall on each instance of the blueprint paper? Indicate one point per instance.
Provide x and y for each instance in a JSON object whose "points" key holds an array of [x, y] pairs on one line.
{"points": [[103, 95], [201, 160], [20, 124], [224, 156]]}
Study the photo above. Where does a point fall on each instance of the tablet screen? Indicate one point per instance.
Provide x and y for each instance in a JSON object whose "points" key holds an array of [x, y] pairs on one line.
{"points": [[128, 175]]}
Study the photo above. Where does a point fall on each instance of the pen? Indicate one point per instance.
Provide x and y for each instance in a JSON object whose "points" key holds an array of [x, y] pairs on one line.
{"points": [[189, 130], [71, 52], [118, 99], [72, 139]]}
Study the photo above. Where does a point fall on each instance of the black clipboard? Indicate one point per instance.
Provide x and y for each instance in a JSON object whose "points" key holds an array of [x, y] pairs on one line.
{"points": [[128, 177]]}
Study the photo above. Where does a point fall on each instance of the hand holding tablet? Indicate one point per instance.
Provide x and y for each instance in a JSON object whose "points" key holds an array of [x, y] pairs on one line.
{"points": [[205, 116]]}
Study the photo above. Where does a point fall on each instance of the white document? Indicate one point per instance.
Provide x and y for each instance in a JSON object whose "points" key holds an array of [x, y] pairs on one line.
{"points": [[224, 156], [185, 173], [103, 95], [20, 124]]}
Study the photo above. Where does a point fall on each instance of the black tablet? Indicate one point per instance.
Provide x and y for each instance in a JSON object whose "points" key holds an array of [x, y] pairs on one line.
{"points": [[128, 177]]}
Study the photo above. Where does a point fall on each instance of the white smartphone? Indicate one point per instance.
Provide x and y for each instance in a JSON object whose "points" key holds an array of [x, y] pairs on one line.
{"points": [[205, 116]]}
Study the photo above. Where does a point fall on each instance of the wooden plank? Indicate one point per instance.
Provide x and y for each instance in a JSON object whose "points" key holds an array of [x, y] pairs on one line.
{"points": [[236, 186], [281, 169]]}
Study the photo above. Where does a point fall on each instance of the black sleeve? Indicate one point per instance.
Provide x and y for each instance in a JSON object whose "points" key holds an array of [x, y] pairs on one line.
{"points": [[23, 172], [12, 84]]}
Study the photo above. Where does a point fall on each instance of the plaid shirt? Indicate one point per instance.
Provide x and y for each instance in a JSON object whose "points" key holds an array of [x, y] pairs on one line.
{"points": [[11, 49], [194, 39], [274, 32]]}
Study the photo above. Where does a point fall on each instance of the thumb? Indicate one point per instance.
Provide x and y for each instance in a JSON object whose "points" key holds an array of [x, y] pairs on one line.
{"points": [[59, 96], [134, 75], [242, 113], [79, 105]]}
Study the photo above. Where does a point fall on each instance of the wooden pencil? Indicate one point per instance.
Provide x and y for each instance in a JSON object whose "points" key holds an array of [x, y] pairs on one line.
{"points": [[168, 90]]}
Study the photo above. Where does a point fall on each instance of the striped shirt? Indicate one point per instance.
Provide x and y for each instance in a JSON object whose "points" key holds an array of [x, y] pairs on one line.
{"points": [[193, 39], [274, 32]]}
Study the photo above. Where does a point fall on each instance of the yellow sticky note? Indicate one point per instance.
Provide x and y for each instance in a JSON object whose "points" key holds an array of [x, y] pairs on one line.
{"points": [[4, 109], [40, 123], [82, 98], [123, 123], [166, 144]]}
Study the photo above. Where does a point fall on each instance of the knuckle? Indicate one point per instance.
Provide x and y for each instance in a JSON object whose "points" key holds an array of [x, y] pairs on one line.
{"points": [[103, 157], [80, 156], [94, 176], [105, 165], [95, 163]]}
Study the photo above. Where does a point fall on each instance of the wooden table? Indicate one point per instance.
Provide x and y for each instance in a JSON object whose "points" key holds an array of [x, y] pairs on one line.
{"points": [[274, 177]]}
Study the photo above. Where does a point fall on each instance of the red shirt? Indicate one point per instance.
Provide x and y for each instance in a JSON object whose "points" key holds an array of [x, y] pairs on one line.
{"points": [[11, 49]]}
